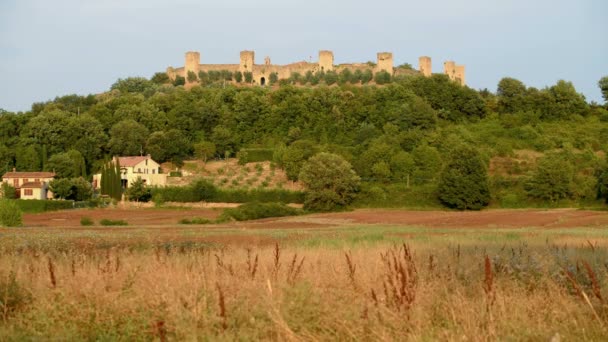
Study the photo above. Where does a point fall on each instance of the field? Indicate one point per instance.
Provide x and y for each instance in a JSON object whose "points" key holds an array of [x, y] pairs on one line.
{"points": [[362, 275]]}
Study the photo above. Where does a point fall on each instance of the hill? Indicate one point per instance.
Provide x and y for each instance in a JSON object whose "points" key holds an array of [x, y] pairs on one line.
{"points": [[398, 137]]}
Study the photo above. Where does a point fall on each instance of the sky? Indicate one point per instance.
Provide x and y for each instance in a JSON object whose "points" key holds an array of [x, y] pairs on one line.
{"points": [[62, 47]]}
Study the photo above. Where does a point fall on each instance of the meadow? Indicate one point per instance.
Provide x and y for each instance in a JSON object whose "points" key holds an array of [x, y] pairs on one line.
{"points": [[341, 282]]}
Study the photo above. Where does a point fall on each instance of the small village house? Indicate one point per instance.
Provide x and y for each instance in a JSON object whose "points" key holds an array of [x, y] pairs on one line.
{"points": [[132, 168], [30, 185]]}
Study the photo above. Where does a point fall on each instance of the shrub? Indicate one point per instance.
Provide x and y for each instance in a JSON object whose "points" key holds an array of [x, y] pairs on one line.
{"points": [[195, 220], [40, 206], [256, 210], [10, 214], [86, 221], [199, 190], [138, 191], [464, 181], [13, 296], [107, 222], [7, 191]]}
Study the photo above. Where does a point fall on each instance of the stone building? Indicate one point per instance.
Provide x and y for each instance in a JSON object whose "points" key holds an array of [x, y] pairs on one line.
{"points": [[261, 73]]}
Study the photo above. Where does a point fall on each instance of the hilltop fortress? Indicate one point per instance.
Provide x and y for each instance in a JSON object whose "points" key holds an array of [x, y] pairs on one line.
{"points": [[261, 74]]}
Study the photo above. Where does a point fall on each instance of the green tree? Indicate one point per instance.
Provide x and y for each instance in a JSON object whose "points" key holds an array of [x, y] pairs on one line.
{"points": [[273, 78], [602, 185], [248, 77], [133, 85], [66, 165], [402, 165], [512, 96], [382, 77], [7, 191], [464, 183], [138, 191], [223, 139], [428, 164], [331, 77], [160, 78], [330, 180], [111, 180], [367, 76], [552, 179], [171, 145], [27, 158], [179, 81], [603, 84], [238, 76], [77, 189], [381, 171], [10, 213], [204, 150], [127, 138], [294, 157], [191, 77]]}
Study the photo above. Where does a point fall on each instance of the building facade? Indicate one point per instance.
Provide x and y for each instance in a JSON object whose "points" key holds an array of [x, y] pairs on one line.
{"points": [[132, 168], [30, 185]]}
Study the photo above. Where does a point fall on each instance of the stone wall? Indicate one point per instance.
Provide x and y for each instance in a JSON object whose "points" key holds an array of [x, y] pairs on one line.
{"points": [[261, 72]]}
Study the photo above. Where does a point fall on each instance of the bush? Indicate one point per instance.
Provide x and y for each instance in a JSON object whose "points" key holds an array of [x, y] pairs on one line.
{"points": [[107, 222], [10, 214], [195, 220], [86, 221], [256, 210], [199, 190], [40, 206], [13, 296], [258, 195], [7, 191]]}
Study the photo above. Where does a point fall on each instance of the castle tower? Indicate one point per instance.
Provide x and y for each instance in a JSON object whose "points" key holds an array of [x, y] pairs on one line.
{"points": [[326, 60], [247, 61], [449, 68], [385, 62], [424, 66], [459, 75], [193, 62]]}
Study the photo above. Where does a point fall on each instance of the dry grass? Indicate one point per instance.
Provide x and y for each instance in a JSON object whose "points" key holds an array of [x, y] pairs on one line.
{"points": [[386, 290]]}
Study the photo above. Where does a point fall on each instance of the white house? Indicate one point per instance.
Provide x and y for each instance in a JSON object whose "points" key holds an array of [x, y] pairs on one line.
{"points": [[30, 185], [132, 168]]}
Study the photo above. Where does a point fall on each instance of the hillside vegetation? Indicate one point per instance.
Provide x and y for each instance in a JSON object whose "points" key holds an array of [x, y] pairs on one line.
{"points": [[543, 147]]}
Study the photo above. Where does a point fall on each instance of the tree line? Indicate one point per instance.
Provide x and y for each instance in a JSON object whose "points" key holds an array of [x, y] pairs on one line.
{"points": [[403, 132]]}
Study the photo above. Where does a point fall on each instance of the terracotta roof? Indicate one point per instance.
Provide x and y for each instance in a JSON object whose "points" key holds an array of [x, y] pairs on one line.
{"points": [[28, 175], [131, 161], [32, 185]]}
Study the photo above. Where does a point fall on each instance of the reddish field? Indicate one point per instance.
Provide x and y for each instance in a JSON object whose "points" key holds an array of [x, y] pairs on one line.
{"points": [[557, 218]]}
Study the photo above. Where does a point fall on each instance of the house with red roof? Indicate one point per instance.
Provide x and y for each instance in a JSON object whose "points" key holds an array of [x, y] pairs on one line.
{"points": [[135, 167], [30, 185]]}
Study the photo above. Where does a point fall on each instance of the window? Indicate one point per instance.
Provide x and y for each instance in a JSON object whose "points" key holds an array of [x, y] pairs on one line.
{"points": [[28, 192], [153, 171], [138, 170], [16, 182], [25, 180], [37, 180]]}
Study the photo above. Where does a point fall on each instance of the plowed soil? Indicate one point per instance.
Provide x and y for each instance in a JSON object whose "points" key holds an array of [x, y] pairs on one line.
{"points": [[557, 218]]}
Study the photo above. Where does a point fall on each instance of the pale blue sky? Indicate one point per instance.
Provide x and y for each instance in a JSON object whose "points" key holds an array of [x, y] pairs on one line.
{"points": [[60, 47]]}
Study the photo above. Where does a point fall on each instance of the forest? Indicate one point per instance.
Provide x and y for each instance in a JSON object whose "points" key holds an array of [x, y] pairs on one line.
{"points": [[412, 141]]}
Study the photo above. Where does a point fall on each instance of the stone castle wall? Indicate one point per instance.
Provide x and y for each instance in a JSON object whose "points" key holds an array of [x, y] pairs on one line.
{"points": [[261, 72]]}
